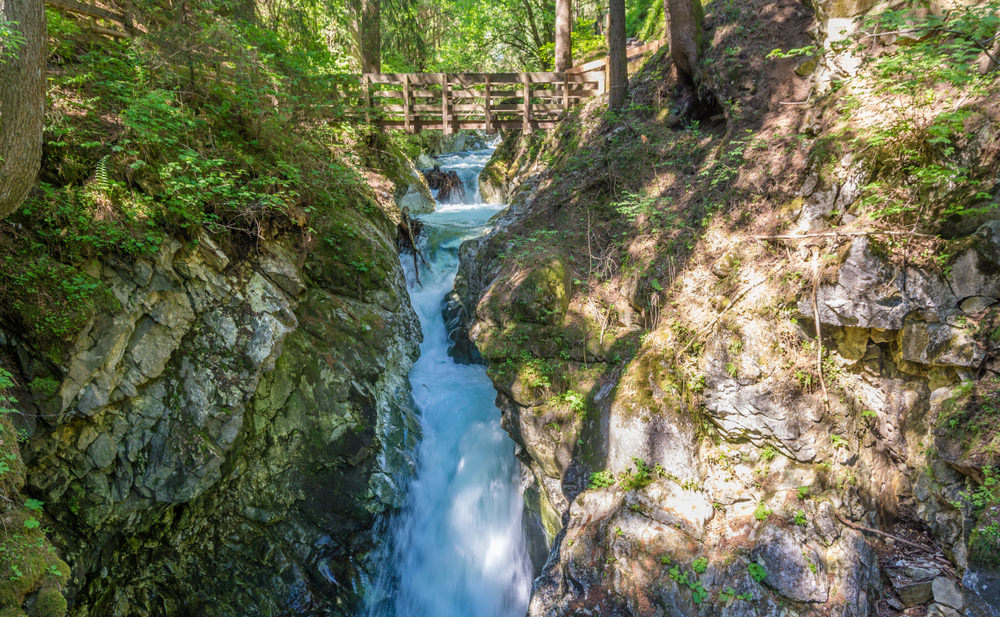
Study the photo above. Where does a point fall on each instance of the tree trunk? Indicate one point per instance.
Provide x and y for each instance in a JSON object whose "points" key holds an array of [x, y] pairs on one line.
{"points": [[371, 36], [564, 39], [367, 34], [617, 65], [684, 23], [22, 103]]}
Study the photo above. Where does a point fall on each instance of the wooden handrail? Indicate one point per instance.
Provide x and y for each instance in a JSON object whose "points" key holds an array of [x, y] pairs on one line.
{"points": [[632, 54]]}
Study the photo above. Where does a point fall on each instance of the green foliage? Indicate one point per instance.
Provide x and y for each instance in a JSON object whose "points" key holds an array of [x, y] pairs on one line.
{"points": [[757, 571], [761, 512], [700, 564], [640, 478], [984, 541], [927, 83], [602, 479], [139, 147], [684, 579], [576, 401], [793, 53], [28, 564], [51, 300], [800, 518], [729, 593], [11, 39]]}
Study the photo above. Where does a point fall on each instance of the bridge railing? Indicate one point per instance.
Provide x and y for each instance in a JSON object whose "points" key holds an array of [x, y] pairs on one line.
{"points": [[453, 101], [490, 101]]}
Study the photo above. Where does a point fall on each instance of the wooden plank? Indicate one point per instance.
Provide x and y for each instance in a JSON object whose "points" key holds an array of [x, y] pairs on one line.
{"points": [[634, 52], [511, 107], [565, 95], [574, 93], [465, 78], [407, 104], [587, 67], [368, 98]]}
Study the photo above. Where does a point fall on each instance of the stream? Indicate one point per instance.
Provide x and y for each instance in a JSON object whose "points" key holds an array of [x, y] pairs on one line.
{"points": [[457, 548]]}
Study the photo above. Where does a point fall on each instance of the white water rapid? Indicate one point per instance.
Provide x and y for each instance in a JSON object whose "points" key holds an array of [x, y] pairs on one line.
{"points": [[457, 546]]}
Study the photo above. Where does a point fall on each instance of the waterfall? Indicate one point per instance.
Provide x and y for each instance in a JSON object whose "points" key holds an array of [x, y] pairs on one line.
{"points": [[457, 547]]}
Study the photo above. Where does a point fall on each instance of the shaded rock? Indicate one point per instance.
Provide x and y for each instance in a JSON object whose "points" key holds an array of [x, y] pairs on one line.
{"points": [[982, 591], [911, 591], [205, 414], [946, 592]]}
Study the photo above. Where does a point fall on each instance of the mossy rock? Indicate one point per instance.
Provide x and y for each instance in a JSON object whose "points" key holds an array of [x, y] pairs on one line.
{"points": [[30, 567], [543, 295], [49, 603]]}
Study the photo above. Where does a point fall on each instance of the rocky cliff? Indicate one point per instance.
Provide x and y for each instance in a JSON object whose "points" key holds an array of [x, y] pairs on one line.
{"points": [[222, 441], [745, 379]]}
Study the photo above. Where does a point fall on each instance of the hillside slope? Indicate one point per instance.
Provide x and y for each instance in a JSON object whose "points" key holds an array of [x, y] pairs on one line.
{"points": [[648, 311]]}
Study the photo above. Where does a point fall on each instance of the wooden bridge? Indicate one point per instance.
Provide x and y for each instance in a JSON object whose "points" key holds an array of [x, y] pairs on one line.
{"points": [[436, 101], [453, 101]]}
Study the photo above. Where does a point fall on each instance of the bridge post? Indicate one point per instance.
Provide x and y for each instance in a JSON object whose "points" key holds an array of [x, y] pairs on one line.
{"points": [[489, 112], [445, 119], [526, 113], [407, 106], [565, 94], [368, 97]]}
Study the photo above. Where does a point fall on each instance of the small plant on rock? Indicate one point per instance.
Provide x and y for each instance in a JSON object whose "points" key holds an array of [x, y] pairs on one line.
{"points": [[762, 512], [757, 572]]}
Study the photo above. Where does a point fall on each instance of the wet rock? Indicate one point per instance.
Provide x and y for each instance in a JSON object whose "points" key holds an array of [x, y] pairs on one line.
{"points": [[942, 610], [448, 184]]}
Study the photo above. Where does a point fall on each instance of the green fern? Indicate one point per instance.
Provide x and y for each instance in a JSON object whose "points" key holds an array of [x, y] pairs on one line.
{"points": [[102, 177]]}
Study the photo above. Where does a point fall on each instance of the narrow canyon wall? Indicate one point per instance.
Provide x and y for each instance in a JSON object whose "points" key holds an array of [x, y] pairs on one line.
{"points": [[222, 441]]}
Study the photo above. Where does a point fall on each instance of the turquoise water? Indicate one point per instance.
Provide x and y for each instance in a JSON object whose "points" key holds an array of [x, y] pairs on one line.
{"points": [[457, 546]]}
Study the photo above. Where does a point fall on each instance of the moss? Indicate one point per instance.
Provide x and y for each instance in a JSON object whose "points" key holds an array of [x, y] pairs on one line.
{"points": [[29, 562], [49, 603], [543, 295]]}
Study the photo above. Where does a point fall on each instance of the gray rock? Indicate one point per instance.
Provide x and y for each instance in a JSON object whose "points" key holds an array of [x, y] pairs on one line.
{"points": [[910, 591], [102, 451], [946, 592], [942, 610], [982, 591], [794, 570]]}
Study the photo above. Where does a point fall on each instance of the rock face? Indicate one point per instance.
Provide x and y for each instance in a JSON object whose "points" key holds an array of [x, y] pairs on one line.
{"points": [[222, 444], [688, 519], [691, 450]]}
